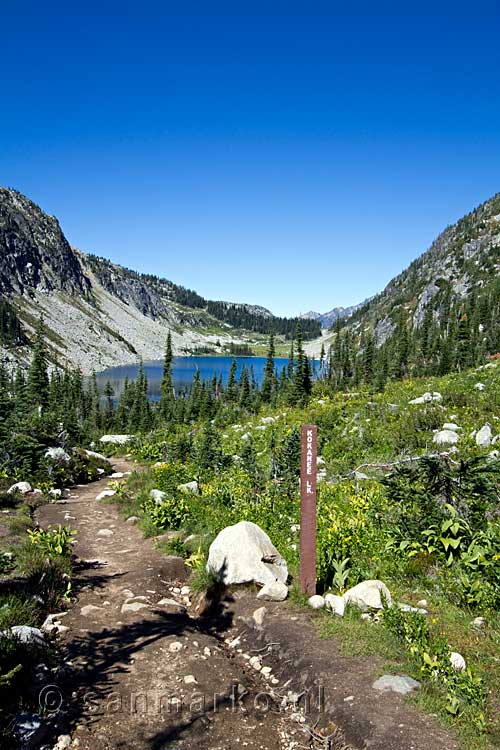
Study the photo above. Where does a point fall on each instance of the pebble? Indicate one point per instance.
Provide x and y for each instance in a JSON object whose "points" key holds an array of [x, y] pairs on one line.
{"points": [[89, 610], [175, 647], [105, 532], [190, 679]]}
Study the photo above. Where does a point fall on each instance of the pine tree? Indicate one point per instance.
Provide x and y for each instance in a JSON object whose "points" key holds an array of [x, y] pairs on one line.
{"points": [[38, 379], [268, 388], [167, 396]]}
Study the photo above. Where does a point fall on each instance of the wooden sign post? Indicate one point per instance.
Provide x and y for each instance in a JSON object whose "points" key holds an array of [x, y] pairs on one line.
{"points": [[308, 471]]}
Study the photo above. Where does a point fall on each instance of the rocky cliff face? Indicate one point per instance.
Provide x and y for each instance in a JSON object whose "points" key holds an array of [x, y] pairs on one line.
{"points": [[34, 253], [464, 259]]}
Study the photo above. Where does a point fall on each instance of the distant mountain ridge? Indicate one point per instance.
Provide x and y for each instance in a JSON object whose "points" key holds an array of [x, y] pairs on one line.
{"points": [[329, 318], [98, 313]]}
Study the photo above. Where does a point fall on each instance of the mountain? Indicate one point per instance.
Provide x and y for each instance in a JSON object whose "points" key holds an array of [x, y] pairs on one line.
{"points": [[441, 313], [328, 319], [98, 313]]}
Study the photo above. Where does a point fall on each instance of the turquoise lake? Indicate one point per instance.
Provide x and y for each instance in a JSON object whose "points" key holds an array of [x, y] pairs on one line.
{"points": [[183, 371]]}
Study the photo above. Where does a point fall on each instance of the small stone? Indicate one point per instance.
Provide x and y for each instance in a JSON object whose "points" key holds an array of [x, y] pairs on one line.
{"points": [[133, 607], [105, 532], [397, 683], [266, 671], [63, 742], [185, 591], [478, 623], [207, 651], [259, 616], [132, 519], [190, 679], [422, 603], [105, 493], [89, 610], [366, 617], [316, 601], [273, 592], [175, 647]]}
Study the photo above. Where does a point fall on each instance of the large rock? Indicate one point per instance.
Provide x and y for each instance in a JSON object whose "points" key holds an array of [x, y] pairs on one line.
{"points": [[29, 729], [445, 437], [93, 454], [244, 553], [21, 487], [484, 436], [116, 439], [368, 595]]}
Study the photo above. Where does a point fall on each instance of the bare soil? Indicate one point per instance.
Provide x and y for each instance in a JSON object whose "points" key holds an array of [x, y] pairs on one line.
{"points": [[123, 685]]}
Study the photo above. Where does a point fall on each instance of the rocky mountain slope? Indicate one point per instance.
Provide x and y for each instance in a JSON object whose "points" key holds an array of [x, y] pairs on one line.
{"points": [[459, 269], [98, 313]]}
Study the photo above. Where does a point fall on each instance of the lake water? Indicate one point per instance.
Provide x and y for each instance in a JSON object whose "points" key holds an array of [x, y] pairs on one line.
{"points": [[183, 371]]}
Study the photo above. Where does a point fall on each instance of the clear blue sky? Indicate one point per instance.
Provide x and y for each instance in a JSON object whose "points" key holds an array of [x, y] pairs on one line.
{"points": [[246, 148]]}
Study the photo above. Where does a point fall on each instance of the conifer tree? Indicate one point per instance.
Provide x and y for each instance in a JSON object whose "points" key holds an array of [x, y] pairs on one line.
{"points": [[268, 387], [38, 379], [167, 397]]}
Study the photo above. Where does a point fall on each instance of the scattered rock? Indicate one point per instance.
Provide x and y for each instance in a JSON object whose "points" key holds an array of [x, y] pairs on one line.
{"points": [[273, 592], [132, 519], [93, 454], [55, 493], [268, 420], [58, 455], [190, 679], [410, 608], [29, 729], [89, 610], [316, 601], [445, 437], [105, 493], [117, 439], [63, 742], [480, 386], [259, 615], [185, 590], [175, 647], [133, 607], [28, 635], [368, 595], [479, 623], [335, 603], [397, 683], [117, 475], [426, 398], [157, 495], [457, 661], [451, 426], [243, 553], [484, 436], [105, 532], [192, 487], [422, 603], [22, 487]]}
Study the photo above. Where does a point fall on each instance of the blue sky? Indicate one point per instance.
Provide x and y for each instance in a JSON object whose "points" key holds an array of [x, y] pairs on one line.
{"points": [[291, 154]]}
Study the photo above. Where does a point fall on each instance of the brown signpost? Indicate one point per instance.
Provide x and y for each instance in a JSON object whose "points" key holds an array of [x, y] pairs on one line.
{"points": [[308, 470]]}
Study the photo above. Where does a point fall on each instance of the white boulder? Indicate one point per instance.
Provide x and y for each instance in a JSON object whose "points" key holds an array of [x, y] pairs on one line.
{"points": [[157, 495], [192, 487], [368, 595], [105, 493], [243, 553], [445, 437], [28, 635], [480, 386], [484, 436], [58, 455], [21, 487], [458, 662], [316, 601], [116, 439], [93, 454], [426, 398], [273, 592], [335, 604], [451, 426]]}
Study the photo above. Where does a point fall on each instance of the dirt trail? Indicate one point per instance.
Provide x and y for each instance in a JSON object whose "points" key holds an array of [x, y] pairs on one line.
{"points": [[126, 676], [125, 685]]}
